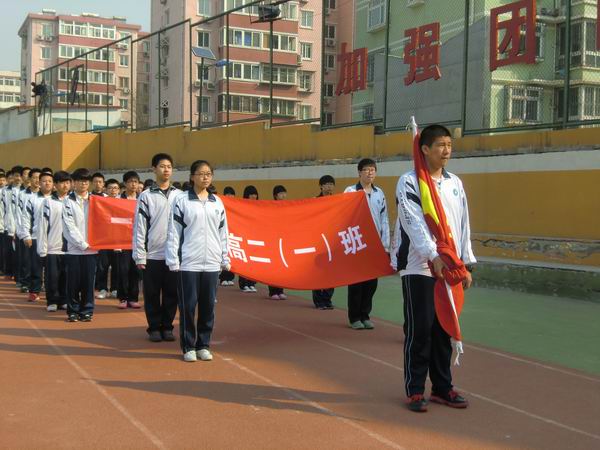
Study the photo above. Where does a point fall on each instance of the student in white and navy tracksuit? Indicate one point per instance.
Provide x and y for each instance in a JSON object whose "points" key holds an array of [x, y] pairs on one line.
{"points": [[427, 347], [150, 228], [197, 249], [3, 182], [21, 251], [51, 245], [80, 259], [9, 221], [41, 188], [360, 295]]}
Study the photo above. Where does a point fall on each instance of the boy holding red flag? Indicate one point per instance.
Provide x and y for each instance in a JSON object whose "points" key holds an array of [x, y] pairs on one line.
{"points": [[434, 257]]}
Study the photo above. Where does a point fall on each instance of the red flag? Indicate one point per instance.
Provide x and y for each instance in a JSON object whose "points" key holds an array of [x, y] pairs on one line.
{"points": [[305, 244], [110, 223], [449, 293]]}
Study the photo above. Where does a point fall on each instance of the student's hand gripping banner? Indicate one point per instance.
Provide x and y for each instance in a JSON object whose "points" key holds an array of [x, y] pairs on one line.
{"points": [[313, 244], [110, 224]]}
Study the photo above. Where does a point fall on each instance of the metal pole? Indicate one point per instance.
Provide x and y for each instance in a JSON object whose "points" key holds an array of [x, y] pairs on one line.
{"points": [[159, 79], [567, 67], [201, 86], [386, 62], [68, 96], [323, 28], [191, 84], [227, 100], [49, 95], [463, 119], [107, 84], [86, 91], [133, 60], [271, 74]]}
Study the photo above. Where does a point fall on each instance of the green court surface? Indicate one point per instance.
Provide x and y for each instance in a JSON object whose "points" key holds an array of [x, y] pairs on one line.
{"points": [[560, 331]]}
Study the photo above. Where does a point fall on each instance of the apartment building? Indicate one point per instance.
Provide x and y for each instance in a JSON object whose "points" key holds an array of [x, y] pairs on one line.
{"points": [[105, 77], [10, 89], [296, 58]]}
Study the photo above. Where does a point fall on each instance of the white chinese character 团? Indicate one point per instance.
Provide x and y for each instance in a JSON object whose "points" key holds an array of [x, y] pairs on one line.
{"points": [[352, 240], [235, 249]]}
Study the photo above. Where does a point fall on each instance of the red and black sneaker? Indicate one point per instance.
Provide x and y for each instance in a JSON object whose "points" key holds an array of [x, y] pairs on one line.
{"points": [[417, 403], [451, 398]]}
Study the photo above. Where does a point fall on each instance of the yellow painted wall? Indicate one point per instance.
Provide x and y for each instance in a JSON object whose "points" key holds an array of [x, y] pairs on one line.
{"points": [[79, 150], [44, 151]]}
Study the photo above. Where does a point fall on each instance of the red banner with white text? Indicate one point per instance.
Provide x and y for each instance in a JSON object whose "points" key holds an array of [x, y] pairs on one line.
{"points": [[315, 243], [110, 223]]}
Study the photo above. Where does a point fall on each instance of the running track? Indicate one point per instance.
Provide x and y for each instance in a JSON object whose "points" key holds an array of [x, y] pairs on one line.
{"points": [[284, 376]]}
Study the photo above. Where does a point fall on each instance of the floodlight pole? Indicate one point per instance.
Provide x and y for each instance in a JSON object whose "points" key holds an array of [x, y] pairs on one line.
{"points": [[271, 75], [201, 86]]}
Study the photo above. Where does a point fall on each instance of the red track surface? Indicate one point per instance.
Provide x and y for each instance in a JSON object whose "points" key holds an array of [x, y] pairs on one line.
{"points": [[284, 376]]}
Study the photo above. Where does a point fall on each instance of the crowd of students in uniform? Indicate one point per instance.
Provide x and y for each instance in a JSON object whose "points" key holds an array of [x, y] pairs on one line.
{"points": [[44, 242]]}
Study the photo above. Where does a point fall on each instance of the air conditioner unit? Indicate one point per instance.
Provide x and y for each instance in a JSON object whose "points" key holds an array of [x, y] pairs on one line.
{"points": [[164, 41], [164, 2], [197, 83], [299, 59], [48, 38], [325, 100], [41, 37], [329, 42], [411, 3], [207, 118], [164, 103], [126, 91], [146, 54], [122, 45], [209, 85], [164, 72]]}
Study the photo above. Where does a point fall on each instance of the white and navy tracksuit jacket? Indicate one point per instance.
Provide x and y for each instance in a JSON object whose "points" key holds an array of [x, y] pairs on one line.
{"points": [[22, 198], [9, 209], [414, 243], [151, 223], [2, 208], [49, 230], [75, 221], [197, 238], [30, 215], [378, 207]]}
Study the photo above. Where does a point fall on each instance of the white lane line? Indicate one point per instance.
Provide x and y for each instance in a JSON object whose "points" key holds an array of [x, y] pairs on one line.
{"points": [[378, 437], [86, 376], [398, 368], [305, 251]]}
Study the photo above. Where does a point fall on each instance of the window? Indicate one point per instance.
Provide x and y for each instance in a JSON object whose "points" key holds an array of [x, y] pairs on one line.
{"points": [[45, 52], [306, 50], [124, 103], [330, 4], [203, 39], [281, 75], [204, 8], [583, 45], [540, 29], [523, 104], [376, 15], [306, 19], [281, 42], [123, 82], [204, 106], [573, 103], [327, 119], [371, 65], [239, 103], [591, 102], [202, 76], [305, 81], [80, 29], [330, 31], [305, 112], [280, 107], [124, 60], [243, 71], [329, 61], [66, 27], [243, 38], [47, 29], [289, 11], [328, 90]]}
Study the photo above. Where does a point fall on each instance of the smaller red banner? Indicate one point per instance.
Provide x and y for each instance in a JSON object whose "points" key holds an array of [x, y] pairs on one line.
{"points": [[110, 223]]}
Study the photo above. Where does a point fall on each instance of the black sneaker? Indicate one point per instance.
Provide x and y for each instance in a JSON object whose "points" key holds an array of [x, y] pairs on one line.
{"points": [[328, 306], [452, 399], [85, 318], [24, 289], [167, 335], [417, 403], [72, 318], [155, 336]]}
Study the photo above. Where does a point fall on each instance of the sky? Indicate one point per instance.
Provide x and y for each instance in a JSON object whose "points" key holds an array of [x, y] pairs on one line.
{"points": [[14, 12]]}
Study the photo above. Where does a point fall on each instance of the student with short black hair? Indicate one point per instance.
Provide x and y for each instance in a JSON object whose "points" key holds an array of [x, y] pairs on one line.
{"points": [[6, 241], [360, 295], [197, 249], [42, 185], [322, 297], [80, 258], [149, 238], [24, 231], [276, 293], [97, 184], [10, 207], [129, 276], [50, 244], [246, 285], [3, 182]]}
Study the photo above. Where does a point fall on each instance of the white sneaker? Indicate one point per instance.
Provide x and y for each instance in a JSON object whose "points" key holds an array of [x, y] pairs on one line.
{"points": [[113, 294], [102, 294], [190, 356], [204, 354], [64, 307], [246, 289], [51, 308], [224, 283], [230, 283], [253, 289]]}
